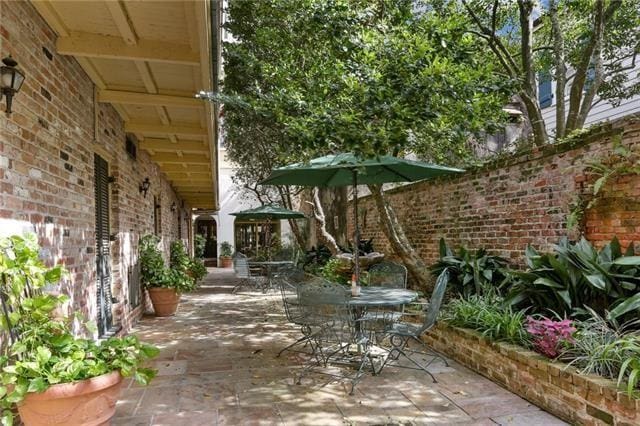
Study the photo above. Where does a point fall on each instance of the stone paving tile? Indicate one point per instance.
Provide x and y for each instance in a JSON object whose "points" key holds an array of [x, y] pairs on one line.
{"points": [[217, 366]]}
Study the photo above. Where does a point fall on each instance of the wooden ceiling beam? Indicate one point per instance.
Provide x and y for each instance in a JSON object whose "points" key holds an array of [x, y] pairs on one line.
{"points": [[164, 129], [100, 46], [183, 168], [171, 158], [123, 22], [157, 144], [148, 99]]}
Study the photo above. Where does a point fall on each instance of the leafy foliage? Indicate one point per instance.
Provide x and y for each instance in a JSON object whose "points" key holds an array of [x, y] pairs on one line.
{"points": [[45, 351], [470, 273], [154, 273], [576, 277], [316, 258], [550, 336], [226, 250], [490, 316], [199, 243], [333, 271], [197, 269]]}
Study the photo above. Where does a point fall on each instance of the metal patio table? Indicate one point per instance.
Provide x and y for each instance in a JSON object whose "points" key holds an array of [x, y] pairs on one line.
{"points": [[269, 266]]}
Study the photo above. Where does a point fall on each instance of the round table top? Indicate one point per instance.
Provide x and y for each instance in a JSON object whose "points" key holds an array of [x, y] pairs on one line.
{"points": [[271, 262], [383, 296]]}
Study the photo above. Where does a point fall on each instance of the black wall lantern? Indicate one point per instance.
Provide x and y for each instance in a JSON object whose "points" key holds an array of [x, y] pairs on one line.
{"points": [[174, 207], [144, 187], [11, 79]]}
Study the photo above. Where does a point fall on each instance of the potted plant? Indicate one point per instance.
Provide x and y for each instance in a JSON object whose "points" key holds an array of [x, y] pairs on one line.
{"points": [[225, 255], [52, 376], [165, 285], [180, 260]]}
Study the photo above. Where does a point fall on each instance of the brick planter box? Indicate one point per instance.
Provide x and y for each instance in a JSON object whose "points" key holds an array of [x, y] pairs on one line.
{"points": [[554, 386]]}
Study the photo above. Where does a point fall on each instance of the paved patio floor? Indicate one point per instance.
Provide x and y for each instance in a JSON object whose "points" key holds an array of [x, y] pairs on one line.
{"points": [[218, 367]]}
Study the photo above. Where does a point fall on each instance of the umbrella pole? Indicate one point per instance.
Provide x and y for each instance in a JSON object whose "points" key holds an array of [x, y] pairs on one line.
{"points": [[356, 237]]}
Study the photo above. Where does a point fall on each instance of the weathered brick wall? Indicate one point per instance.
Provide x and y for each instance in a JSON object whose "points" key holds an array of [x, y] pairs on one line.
{"points": [[46, 166], [517, 200], [553, 386]]}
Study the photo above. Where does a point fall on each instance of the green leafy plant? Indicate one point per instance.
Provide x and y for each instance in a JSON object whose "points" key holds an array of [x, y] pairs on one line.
{"points": [[178, 257], [490, 316], [200, 242], [44, 350], [470, 272], [197, 269], [154, 273], [576, 276], [334, 271], [152, 268], [595, 348], [226, 250]]}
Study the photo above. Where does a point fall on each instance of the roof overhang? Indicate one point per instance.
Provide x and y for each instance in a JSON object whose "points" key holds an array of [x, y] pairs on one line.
{"points": [[148, 59]]}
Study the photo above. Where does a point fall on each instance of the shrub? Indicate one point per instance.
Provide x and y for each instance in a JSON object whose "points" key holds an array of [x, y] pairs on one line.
{"points": [[197, 269], [488, 315], [199, 243], [333, 271], [600, 348], [550, 336], [316, 258], [470, 273], [576, 277], [152, 268], [226, 250], [178, 257]]}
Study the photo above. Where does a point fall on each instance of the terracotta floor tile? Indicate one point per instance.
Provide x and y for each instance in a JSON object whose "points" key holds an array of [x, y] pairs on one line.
{"points": [[218, 366]]}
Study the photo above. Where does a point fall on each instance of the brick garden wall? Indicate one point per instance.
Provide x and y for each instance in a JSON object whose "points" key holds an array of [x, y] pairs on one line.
{"points": [[518, 200], [46, 167], [553, 386]]}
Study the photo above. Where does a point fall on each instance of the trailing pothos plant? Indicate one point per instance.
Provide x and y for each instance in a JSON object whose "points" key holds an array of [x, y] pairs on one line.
{"points": [[470, 273], [575, 277], [42, 349]]}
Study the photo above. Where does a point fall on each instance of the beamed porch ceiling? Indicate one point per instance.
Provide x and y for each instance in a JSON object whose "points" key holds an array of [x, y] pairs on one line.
{"points": [[148, 59]]}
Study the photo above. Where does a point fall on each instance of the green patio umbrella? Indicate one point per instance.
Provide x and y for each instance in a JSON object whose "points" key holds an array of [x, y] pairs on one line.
{"points": [[347, 169], [268, 213]]}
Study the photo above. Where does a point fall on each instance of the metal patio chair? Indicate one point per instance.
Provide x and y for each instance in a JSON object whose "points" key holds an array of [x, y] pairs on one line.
{"points": [[401, 333], [385, 274], [247, 276], [335, 337], [288, 283]]}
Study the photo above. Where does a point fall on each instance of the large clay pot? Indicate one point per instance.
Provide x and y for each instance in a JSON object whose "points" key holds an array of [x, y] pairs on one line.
{"points": [[226, 262], [90, 402], [165, 301]]}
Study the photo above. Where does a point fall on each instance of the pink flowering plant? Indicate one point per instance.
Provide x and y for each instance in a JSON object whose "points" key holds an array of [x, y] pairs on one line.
{"points": [[550, 336]]}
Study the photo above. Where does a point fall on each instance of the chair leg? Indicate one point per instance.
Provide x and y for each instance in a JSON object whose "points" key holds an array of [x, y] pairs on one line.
{"points": [[304, 339], [432, 352]]}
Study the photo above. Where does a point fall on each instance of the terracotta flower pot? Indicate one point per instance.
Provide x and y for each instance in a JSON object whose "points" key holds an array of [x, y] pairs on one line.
{"points": [[226, 262], [90, 402], [165, 301]]}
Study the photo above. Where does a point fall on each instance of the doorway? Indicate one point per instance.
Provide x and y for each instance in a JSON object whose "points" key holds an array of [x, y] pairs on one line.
{"points": [[208, 229]]}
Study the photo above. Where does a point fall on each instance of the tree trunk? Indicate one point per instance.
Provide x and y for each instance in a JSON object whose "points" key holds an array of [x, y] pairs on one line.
{"points": [[400, 244], [318, 213], [560, 74], [285, 197], [335, 203], [529, 93]]}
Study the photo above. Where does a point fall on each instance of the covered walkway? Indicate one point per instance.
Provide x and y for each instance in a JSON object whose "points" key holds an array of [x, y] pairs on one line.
{"points": [[218, 366]]}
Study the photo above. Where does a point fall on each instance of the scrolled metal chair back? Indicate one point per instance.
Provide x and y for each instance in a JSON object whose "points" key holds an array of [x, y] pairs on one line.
{"points": [[431, 315], [388, 274]]}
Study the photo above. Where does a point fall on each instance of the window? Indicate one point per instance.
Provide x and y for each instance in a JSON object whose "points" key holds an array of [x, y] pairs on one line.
{"points": [[545, 94], [157, 220], [250, 237]]}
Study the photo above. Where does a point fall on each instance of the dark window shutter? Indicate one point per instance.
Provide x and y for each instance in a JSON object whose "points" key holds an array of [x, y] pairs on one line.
{"points": [[103, 259], [545, 94]]}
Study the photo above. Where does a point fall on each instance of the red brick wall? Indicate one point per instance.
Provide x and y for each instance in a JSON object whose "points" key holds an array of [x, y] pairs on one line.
{"points": [[554, 386], [46, 166], [517, 200]]}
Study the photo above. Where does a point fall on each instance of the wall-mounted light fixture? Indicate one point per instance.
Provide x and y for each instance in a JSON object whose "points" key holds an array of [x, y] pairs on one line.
{"points": [[11, 79], [174, 207], [144, 187]]}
